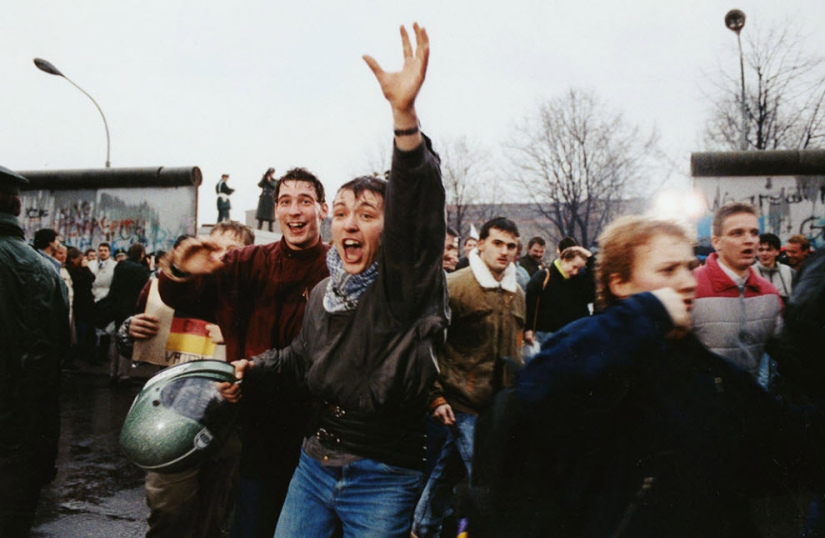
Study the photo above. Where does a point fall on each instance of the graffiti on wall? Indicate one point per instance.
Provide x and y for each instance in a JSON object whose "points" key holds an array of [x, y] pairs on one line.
{"points": [[120, 217], [787, 205]]}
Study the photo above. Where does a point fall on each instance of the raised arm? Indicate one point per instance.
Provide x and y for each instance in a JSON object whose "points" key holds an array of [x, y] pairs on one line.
{"points": [[412, 243], [401, 88]]}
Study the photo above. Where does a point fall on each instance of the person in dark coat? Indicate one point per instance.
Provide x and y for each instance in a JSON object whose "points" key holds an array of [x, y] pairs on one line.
{"points": [[266, 201], [83, 305], [556, 295], [34, 335], [626, 425], [798, 354], [130, 276], [366, 347], [534, 259]]}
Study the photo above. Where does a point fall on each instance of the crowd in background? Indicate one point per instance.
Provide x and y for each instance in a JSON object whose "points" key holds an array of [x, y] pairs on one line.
{"points": [[623, 391]]}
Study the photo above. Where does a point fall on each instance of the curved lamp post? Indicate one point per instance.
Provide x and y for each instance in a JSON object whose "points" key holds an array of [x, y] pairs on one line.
{"points": [[735, 21], [47, 67]]}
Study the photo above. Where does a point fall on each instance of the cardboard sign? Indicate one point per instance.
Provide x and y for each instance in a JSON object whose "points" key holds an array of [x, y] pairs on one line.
{"points": [[178, 340]]}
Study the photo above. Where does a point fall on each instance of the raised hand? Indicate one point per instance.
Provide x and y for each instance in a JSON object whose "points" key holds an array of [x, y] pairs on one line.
{"points": [[194, 256], [401, 88], [678, 309]]}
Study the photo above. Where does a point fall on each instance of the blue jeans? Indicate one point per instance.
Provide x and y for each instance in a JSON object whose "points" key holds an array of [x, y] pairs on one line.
{"points": [[767, 372], [436, 499], [365, 498]]}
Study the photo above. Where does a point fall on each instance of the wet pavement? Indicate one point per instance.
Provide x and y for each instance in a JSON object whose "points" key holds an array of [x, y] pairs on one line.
{"points": [[97, 492]]}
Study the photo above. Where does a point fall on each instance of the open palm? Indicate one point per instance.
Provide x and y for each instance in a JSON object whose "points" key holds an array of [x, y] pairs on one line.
{"points": [[401, 88]]}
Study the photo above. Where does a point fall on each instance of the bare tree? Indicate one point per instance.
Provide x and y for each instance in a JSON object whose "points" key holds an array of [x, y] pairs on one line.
{"points": [[378, 159], [784, 94], [466, 178], [577, 161]]}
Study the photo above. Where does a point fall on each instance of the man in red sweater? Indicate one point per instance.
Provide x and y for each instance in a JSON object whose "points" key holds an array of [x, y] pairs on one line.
{"points": [[258, 295]]}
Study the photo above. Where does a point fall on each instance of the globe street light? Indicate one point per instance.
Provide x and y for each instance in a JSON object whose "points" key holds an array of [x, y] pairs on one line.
{"points": [[735, 21], [47, 67]]}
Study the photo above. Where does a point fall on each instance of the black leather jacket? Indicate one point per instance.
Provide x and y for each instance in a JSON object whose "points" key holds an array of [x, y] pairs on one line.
{"points": [[34, 336], [370, 369]]}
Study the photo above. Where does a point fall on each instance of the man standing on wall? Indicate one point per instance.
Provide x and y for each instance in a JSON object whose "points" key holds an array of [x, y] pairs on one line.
{"points": [[34, 335], [223, 191]]}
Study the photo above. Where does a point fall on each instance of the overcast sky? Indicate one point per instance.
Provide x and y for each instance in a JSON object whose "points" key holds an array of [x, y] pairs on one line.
{"points": [[237, 87]]}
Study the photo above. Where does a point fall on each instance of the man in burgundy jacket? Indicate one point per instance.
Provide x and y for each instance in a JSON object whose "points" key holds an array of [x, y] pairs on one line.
{"points": [[258, 295]]}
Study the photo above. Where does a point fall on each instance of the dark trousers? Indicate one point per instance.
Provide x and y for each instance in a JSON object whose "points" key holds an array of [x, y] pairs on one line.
{"points": [[19, 492], [258, 507], [261, 224]]}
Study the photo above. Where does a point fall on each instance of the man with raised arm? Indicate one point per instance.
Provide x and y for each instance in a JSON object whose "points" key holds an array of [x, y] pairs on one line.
{"points": [[366, 348]]}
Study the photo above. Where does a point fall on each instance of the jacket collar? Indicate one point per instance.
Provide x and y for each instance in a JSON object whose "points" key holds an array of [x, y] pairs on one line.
{"points": [[10, 226], [319, 249], [769, 270], [720, 281], [485, 277]]}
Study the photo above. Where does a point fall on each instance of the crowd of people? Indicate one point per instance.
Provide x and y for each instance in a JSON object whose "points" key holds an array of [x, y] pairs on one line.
{"points": [[392, 387], [102, 288]]}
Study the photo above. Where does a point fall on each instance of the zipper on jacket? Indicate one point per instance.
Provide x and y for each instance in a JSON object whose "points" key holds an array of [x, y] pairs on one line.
{"points": [[743, 329]]}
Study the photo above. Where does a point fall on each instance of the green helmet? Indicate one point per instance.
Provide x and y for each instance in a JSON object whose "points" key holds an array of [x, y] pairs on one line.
{"points": [[179, 419]]}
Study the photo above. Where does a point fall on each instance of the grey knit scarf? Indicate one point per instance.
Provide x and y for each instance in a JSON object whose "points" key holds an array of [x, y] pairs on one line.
{"points": [[344, 289]]}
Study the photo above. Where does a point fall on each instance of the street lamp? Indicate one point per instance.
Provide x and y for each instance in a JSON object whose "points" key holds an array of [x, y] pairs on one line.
{"points": [[47, 67], [735, 21]]}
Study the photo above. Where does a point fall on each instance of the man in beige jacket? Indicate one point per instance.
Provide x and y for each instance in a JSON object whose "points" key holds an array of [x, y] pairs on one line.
{"points": [[488, 311]]}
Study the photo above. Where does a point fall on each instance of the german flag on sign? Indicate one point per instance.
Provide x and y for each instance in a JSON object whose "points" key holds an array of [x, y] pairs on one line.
{"points": [[189, 336]]}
